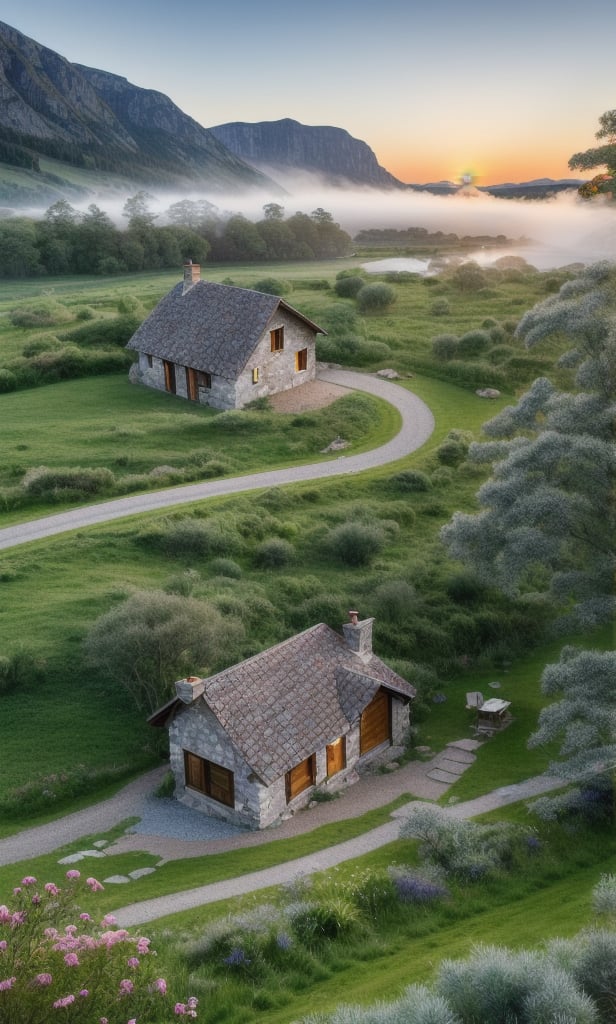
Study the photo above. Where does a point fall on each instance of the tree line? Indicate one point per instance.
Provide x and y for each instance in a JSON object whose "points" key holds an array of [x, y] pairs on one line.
{"points": [[66, 241]]}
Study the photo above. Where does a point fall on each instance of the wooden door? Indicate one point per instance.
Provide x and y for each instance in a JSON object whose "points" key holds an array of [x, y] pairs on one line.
{"points": [[336, 756], [375, 725], [192, 388], [169, 369]]}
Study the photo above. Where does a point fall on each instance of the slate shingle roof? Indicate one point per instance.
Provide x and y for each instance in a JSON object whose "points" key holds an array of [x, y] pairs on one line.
{"points": [[281, 705], [210, 327]]}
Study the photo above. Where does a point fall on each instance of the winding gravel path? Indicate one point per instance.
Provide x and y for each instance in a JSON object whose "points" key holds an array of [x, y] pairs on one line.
{"points": [[417, 426]]}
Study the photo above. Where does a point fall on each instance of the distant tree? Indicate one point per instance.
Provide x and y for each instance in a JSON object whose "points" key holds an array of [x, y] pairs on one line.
{"points": [[273, 211], [600, 156], [189, 213], [19, 248], [151, 639], [240, 240], [137, 209]]}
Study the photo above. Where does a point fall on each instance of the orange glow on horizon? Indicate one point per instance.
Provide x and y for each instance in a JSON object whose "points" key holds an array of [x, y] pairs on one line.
{"points": [[486, 171]]}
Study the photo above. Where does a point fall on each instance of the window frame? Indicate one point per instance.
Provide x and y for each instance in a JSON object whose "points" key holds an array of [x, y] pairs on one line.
{"points": [[310, 765], [213, 779], [301, 360], [277, 339]]}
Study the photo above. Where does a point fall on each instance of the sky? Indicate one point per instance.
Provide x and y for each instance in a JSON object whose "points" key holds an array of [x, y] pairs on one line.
{"points": [[502, 91]]}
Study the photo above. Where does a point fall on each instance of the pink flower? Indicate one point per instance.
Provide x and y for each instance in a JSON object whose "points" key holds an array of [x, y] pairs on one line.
{"points": [[43, 979], [18, 918], [70, 929], [73, 874], [104, 1020], [3, 945], [85, 917], [126, 987], [52, 889], [160, 985], [180, 1009], [192, 1003], [64, 1001], [84, 992], [17, 891], [5, 914], [142, 946], [133, 961], [28, 880], [71, 960], [36, 899], [108, 920], [94, 885], [7, 983]]}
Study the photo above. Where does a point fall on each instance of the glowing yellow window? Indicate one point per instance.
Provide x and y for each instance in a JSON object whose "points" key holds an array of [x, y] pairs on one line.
{"points": [[255, 375]]}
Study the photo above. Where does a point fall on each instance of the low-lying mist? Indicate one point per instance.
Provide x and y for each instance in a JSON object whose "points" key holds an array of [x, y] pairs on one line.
{"points": [[548, 232]]}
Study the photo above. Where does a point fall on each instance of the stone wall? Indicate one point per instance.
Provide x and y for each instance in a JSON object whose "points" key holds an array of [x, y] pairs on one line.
{"points": [[276, 369], [197, 730]]}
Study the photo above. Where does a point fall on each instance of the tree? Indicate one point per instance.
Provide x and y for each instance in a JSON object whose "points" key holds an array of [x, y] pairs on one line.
{"points": [[584, 718], [600, 156], [273, 211], [153, 638], [547, 529]]}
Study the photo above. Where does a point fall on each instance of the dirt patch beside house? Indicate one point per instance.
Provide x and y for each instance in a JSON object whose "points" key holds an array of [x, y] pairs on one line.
{"points": [[313, 395]]}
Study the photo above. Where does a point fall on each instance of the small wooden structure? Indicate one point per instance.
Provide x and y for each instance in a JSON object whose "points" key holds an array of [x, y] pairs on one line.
{"points": [[493, 715]]}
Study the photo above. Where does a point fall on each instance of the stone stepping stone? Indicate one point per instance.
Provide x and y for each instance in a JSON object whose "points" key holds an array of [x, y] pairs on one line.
{"points": [[140, 872], [461, 756], [71, 859], [465, 744], [116, 880], [453, 767], [439, 775], [100, 843]]}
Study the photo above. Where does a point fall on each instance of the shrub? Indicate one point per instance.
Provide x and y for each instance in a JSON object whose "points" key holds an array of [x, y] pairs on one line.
{"points": [[440, 307], [20, 668], [374, 297], [411, 887], [452, 452], [117, 331], [42, 314], [313, 922], [348, 287], [272, 286], [196, 538], [355, 543], [274, 553], [473, 343], [58, 963], [411, 480], [393, 600], [445, 346], [469, 277], [225, 567], [58, 483], [8, 381], [152, 638]]}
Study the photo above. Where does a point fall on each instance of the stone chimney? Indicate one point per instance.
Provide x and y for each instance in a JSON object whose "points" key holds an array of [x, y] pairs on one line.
{"points": [[189, 689], [192, 274], [358, 635]]}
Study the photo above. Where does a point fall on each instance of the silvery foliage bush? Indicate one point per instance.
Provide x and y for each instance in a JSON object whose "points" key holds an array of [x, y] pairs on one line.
{"points": [[604, 896], [460, 848], [590, 959], [496, 985], [583, 717], [549, 500], [418, 1005]]}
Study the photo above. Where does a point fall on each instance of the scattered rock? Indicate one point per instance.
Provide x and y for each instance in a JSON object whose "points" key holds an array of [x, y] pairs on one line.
{"points": [[423, 750], [116, 880], [141, 872], [388, 374], [100, 843], [71, 859], [488, 393], [391, 766], [337, 445]]}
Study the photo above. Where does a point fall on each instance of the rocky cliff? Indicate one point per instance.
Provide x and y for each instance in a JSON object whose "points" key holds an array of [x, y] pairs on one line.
{"points": [[286, 149]]}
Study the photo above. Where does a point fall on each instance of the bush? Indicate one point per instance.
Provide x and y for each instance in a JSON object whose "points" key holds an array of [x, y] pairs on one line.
{"points": [[225, 567], [58, 483], [375, 297], [105, 332], [469, 277], [473, 343], [271, 286], [21, 668], [8, 381], [196, 538], [411, 887], [355, 543], [451, 452], [58, 963], [445, 346], [348, 287], [411, 480], [394, 600], [440, 307], [274, 553], [43, 314]]}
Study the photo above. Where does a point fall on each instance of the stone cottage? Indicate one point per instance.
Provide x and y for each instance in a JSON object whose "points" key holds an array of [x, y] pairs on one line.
{"points": [[251, 743], [223, 346]]}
